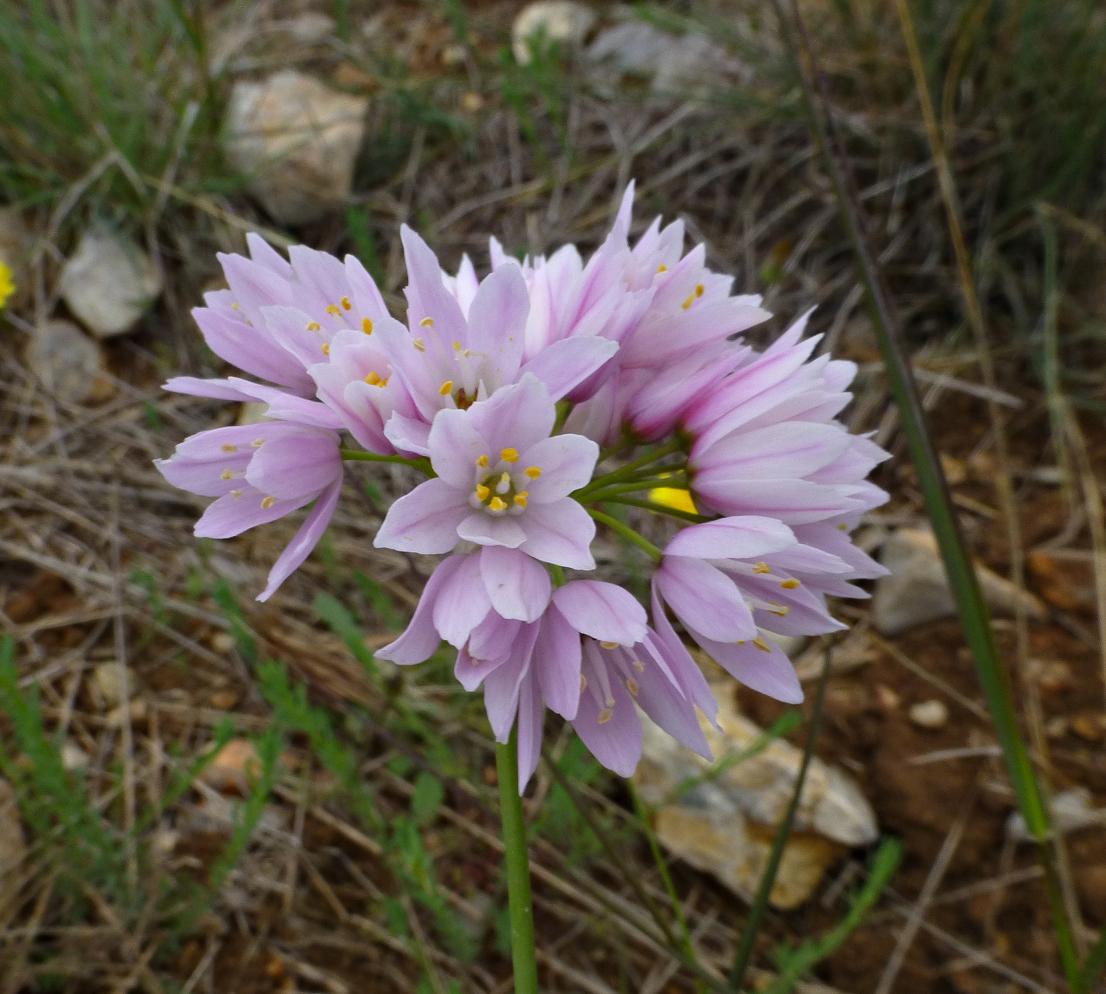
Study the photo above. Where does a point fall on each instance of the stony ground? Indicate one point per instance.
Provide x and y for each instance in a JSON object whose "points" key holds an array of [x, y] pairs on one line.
{"points": [[198, 793]]}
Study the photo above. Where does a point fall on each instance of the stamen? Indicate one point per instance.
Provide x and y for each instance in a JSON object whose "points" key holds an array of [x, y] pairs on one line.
{"points": [[762, 567], [609, 645], [419, 344], [790, 584], [761, 644], [236, 494], [326, 348], [457, 346], [604, 716], [314, 326], [686, 305], [267, 502], [533, 472], [446, 388], [227, 474], [782, 611], [426, 323], [638, 665], [334, 309], [843, 527], [346, 304], [583, 683], [632, 686], [699, 289], [257, 443], [521, 498], [509, 455], [229, 448], [367, 325], [662, 268], [482, 492], [497, 504], [482, 462], [374, 379]]}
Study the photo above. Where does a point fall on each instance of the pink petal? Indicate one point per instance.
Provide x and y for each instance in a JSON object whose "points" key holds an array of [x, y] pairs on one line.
{"points": [[305, 539], [497, 323], [427, 295], [564, 365], [295, 464], [705, 599], [769, 673], [251, 349], [426, 520], [501, 687], [794, 449], [215, 389], [408, 434], [670, 709], [559, 533], [795, 502], [667, 646], [567, 462], [484, 529], [421, 638], [519, 587], [516, 416], [231, 515], [746, 537], [605, 612], [556, 664], [530, 713], [461, 603], [455, 445], [616, 743]]}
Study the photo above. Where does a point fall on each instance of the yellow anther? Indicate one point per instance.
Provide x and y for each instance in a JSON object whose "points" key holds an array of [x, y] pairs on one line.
{"points": [[638, 665], [482, 492], [257, 443], [482, 462], [326, 348], [314, 326], [782, 611], [367, 325], [334, 309], [762, 645], [609, 645], [236, 494], [227, 474], [521, 498], [662, 268], [229, 448], [509, 455], [843, 527], [686, 305], [604, 716], [419, 344], [374, 379], [497, 504], [762, 567], [426, 323], [446, 388], [236, 306], [267, 502], [347, 305], [583, 683], [699, 289], [457, 346], [632, 686], [533, 472], [789, 584]]}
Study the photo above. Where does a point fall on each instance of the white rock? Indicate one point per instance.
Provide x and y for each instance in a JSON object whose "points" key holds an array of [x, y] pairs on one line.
{"points": [[73, 757], [564, 22], [1071, 810], [916, 591], [13, 847], [674, 63], [297, 140], [109, 282], [109, 681], [66, 360], [929, 714], [723, 823]]}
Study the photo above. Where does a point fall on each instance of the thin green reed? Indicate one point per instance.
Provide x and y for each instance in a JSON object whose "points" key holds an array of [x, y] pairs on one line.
{"points": [[972, 607]]}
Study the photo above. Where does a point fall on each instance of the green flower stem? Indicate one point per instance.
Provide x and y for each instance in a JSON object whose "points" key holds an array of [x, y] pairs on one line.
{"points": [[623, 472], [672, 512], [358, 455], [627, 533], [629, 488], [519, 901]]}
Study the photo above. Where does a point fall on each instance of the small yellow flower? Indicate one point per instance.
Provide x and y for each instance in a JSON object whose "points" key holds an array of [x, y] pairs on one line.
{"points": [[7, 284], [675, 497]]}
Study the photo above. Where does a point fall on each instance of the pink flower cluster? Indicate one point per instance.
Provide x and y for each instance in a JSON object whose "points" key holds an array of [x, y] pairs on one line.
{"points": [[551, 395]]}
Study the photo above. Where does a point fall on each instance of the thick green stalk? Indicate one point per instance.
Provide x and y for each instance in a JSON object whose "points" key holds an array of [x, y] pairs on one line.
{"points": [[517, 859], [627, 533], [678, 481], [359, 455], [623, 472], [973, 609]]}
